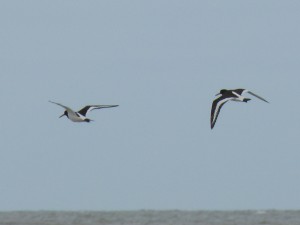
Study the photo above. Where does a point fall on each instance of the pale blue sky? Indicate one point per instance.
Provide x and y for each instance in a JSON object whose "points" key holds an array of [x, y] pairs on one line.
{"points": [[162, 61]]}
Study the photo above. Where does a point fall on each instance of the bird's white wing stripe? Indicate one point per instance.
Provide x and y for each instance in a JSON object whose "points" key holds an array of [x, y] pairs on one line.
{"points": [[236, 94], [95, 107], [218, 106], [81, 116], [92, 107]]}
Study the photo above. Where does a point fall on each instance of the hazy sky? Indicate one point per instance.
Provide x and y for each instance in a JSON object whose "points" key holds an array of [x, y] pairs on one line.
{"points": [[162, 61]]}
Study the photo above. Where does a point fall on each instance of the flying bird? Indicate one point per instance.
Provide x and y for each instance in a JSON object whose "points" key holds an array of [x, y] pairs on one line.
{"points": [[80, 116], [226, 95]]}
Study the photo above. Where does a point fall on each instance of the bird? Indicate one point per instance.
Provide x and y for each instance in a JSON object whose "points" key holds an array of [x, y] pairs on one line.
{"points": [[80, 116], [224, 96]]}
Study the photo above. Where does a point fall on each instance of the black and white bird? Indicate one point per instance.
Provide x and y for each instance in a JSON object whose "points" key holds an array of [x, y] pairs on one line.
{"points": [[80, 116], [226, 95]]}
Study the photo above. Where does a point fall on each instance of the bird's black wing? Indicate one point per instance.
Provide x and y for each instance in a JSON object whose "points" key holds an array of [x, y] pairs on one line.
{"points": [[84, 110], [216, 107], [89, 108], [239, 91]]}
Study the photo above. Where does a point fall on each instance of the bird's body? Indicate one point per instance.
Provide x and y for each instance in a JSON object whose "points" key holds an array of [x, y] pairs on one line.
{"points": [[80, 116], [226, 95]]}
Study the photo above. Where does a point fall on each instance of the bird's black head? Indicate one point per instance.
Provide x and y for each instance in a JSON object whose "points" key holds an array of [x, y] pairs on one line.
{"points": [[65, 114], [223, 91]]}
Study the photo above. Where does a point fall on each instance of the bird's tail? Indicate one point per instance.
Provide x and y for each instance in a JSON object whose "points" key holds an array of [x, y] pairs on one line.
{"points": [[246, 99]]}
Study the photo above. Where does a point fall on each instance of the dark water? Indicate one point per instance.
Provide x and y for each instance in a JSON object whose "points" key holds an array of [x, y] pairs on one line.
{"points": [[145, 217]]}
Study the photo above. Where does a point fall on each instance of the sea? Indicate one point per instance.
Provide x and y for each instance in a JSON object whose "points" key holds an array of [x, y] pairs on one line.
{"points": [[152, 217]]}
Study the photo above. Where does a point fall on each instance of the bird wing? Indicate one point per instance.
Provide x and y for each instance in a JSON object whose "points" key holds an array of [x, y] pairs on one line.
{"points": [[216, 107], [89, 108], [239, 91], [257, 96], [67, 108]]}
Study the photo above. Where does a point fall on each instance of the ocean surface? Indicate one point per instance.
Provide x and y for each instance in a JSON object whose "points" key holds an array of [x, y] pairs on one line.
{"points": [[151, 217]]}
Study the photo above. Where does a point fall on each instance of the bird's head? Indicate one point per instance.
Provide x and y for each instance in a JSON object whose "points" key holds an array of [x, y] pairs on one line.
{"points": [[222, 92], [65, 114]]}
